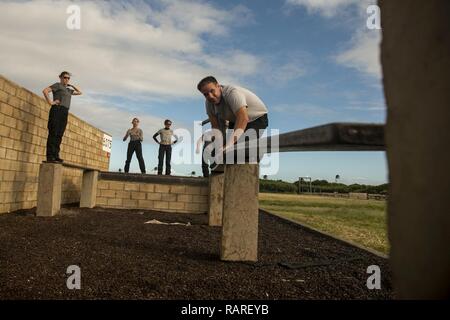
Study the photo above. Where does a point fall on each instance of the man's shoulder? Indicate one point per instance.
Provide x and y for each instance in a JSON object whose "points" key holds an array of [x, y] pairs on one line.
{"points": [[56, 85]]}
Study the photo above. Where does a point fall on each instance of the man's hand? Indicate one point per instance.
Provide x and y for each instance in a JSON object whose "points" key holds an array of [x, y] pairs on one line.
{"points": [[55, 102]]}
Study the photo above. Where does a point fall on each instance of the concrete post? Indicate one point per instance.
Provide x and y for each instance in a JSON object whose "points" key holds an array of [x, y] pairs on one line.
{"points": [[215, 199], [89, 189], [415, 56], [49, 189], [240, 213]]}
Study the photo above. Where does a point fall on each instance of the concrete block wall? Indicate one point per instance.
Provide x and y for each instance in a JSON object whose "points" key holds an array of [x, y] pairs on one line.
{"points": [[23, 137], [166, 194]]}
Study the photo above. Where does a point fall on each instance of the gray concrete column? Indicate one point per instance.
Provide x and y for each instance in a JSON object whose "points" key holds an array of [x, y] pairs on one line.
{"points": [[240, 213], [415, 56], [49, 189], [215, 199], [89, 189]]}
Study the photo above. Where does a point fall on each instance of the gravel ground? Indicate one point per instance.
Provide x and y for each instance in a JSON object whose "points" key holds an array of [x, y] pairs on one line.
{"points": [[122, 257]]}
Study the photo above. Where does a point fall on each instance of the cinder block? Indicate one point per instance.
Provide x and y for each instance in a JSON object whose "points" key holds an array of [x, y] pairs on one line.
{"points": [[131, 187], [154, 196], [176, 205], [177, 189], [138, 195], [114, 202], [89, 189], [145, 187], [123, 194], [6, 109], [145, 204], [9, 88], [168, 197], [162, 188], [107, 193], [161, 205], [114, 185], [11, 154], [199, 199], [240, 213], [4, 131], [3, 96], [193, 190], [102, 201], [49, 190], [128, 203], [102, 184], [184, 198]]}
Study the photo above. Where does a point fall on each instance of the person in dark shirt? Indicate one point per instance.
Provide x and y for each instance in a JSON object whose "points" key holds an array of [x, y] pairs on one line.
{"points": [[57, 120]]}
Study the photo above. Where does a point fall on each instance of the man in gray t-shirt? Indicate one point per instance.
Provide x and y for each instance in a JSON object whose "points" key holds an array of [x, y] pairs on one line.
{"points": [[57, 120], [242, 108]]}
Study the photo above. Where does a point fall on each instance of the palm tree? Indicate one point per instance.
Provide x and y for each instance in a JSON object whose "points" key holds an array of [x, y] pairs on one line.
{"points": [[265, 177], [192, 173], [337, 178]]}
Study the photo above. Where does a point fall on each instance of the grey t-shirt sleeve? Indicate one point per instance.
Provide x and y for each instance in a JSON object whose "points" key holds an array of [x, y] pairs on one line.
{"points": [[236, 100], [55, 86], [141, 135]]}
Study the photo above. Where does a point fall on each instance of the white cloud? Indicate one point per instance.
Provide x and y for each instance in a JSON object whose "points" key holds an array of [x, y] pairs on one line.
{"points": [[135, 50], [363, 53], [327, 8]]}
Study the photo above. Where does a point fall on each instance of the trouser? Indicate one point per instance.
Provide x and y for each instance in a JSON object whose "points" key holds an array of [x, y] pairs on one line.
{"points": [[205, 159], [57, 122], [167, 151], [258, 125], [135, 146]]}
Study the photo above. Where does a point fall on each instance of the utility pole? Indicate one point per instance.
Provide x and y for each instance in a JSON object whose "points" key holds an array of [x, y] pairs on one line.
{"points": [[300, 179]]}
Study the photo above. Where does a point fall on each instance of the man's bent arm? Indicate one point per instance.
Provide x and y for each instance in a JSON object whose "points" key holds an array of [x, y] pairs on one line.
{"points": [[239, 126]]}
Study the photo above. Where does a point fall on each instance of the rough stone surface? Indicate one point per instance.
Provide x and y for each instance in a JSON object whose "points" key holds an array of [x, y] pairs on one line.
{"points": [[240, 213], [415, 55], [49, 189], [215, 199], [89, 189]]}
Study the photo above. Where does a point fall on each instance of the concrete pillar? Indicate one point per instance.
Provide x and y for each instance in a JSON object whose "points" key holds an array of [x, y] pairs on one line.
{"points": [[89, 189], [240, 213], [215, 199], [415, 56], [49, 189]]}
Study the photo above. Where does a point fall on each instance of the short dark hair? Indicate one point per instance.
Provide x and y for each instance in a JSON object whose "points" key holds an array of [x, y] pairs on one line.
{"points": [[167, 121], [135, 119], [64, 73], [209, 79]]}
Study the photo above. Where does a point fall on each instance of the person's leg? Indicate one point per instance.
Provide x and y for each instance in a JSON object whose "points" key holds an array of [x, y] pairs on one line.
{"points": [[168, 158], [139, 156], [60, 127], [51, 139], [160, 158], [130, 151], [205, 158], [259, 125]]}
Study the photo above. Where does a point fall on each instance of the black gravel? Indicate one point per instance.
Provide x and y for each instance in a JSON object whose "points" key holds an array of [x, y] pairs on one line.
{"points": [[121, 257]]}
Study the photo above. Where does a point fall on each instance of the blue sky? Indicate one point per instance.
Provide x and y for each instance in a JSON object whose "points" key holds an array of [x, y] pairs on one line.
{"points": [[311, 62]]}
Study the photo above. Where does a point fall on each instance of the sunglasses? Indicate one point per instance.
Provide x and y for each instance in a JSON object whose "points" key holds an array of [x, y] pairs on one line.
{"points": [[66, 77]]}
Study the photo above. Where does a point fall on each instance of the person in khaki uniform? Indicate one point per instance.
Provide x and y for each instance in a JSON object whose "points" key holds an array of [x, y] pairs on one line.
{"points": [[135, 145], [165, 146]]}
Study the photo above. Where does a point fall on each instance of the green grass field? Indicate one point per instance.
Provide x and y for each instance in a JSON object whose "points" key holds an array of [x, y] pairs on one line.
{"points": [[360, 221]]}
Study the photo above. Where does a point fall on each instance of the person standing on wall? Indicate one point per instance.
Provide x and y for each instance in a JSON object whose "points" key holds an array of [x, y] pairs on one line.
{"points": [[135, 145], [57, 120], [165, 146]]}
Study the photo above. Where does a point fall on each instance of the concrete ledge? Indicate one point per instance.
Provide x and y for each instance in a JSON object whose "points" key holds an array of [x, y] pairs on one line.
{"points": [[151, 178], [316, 231]]}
